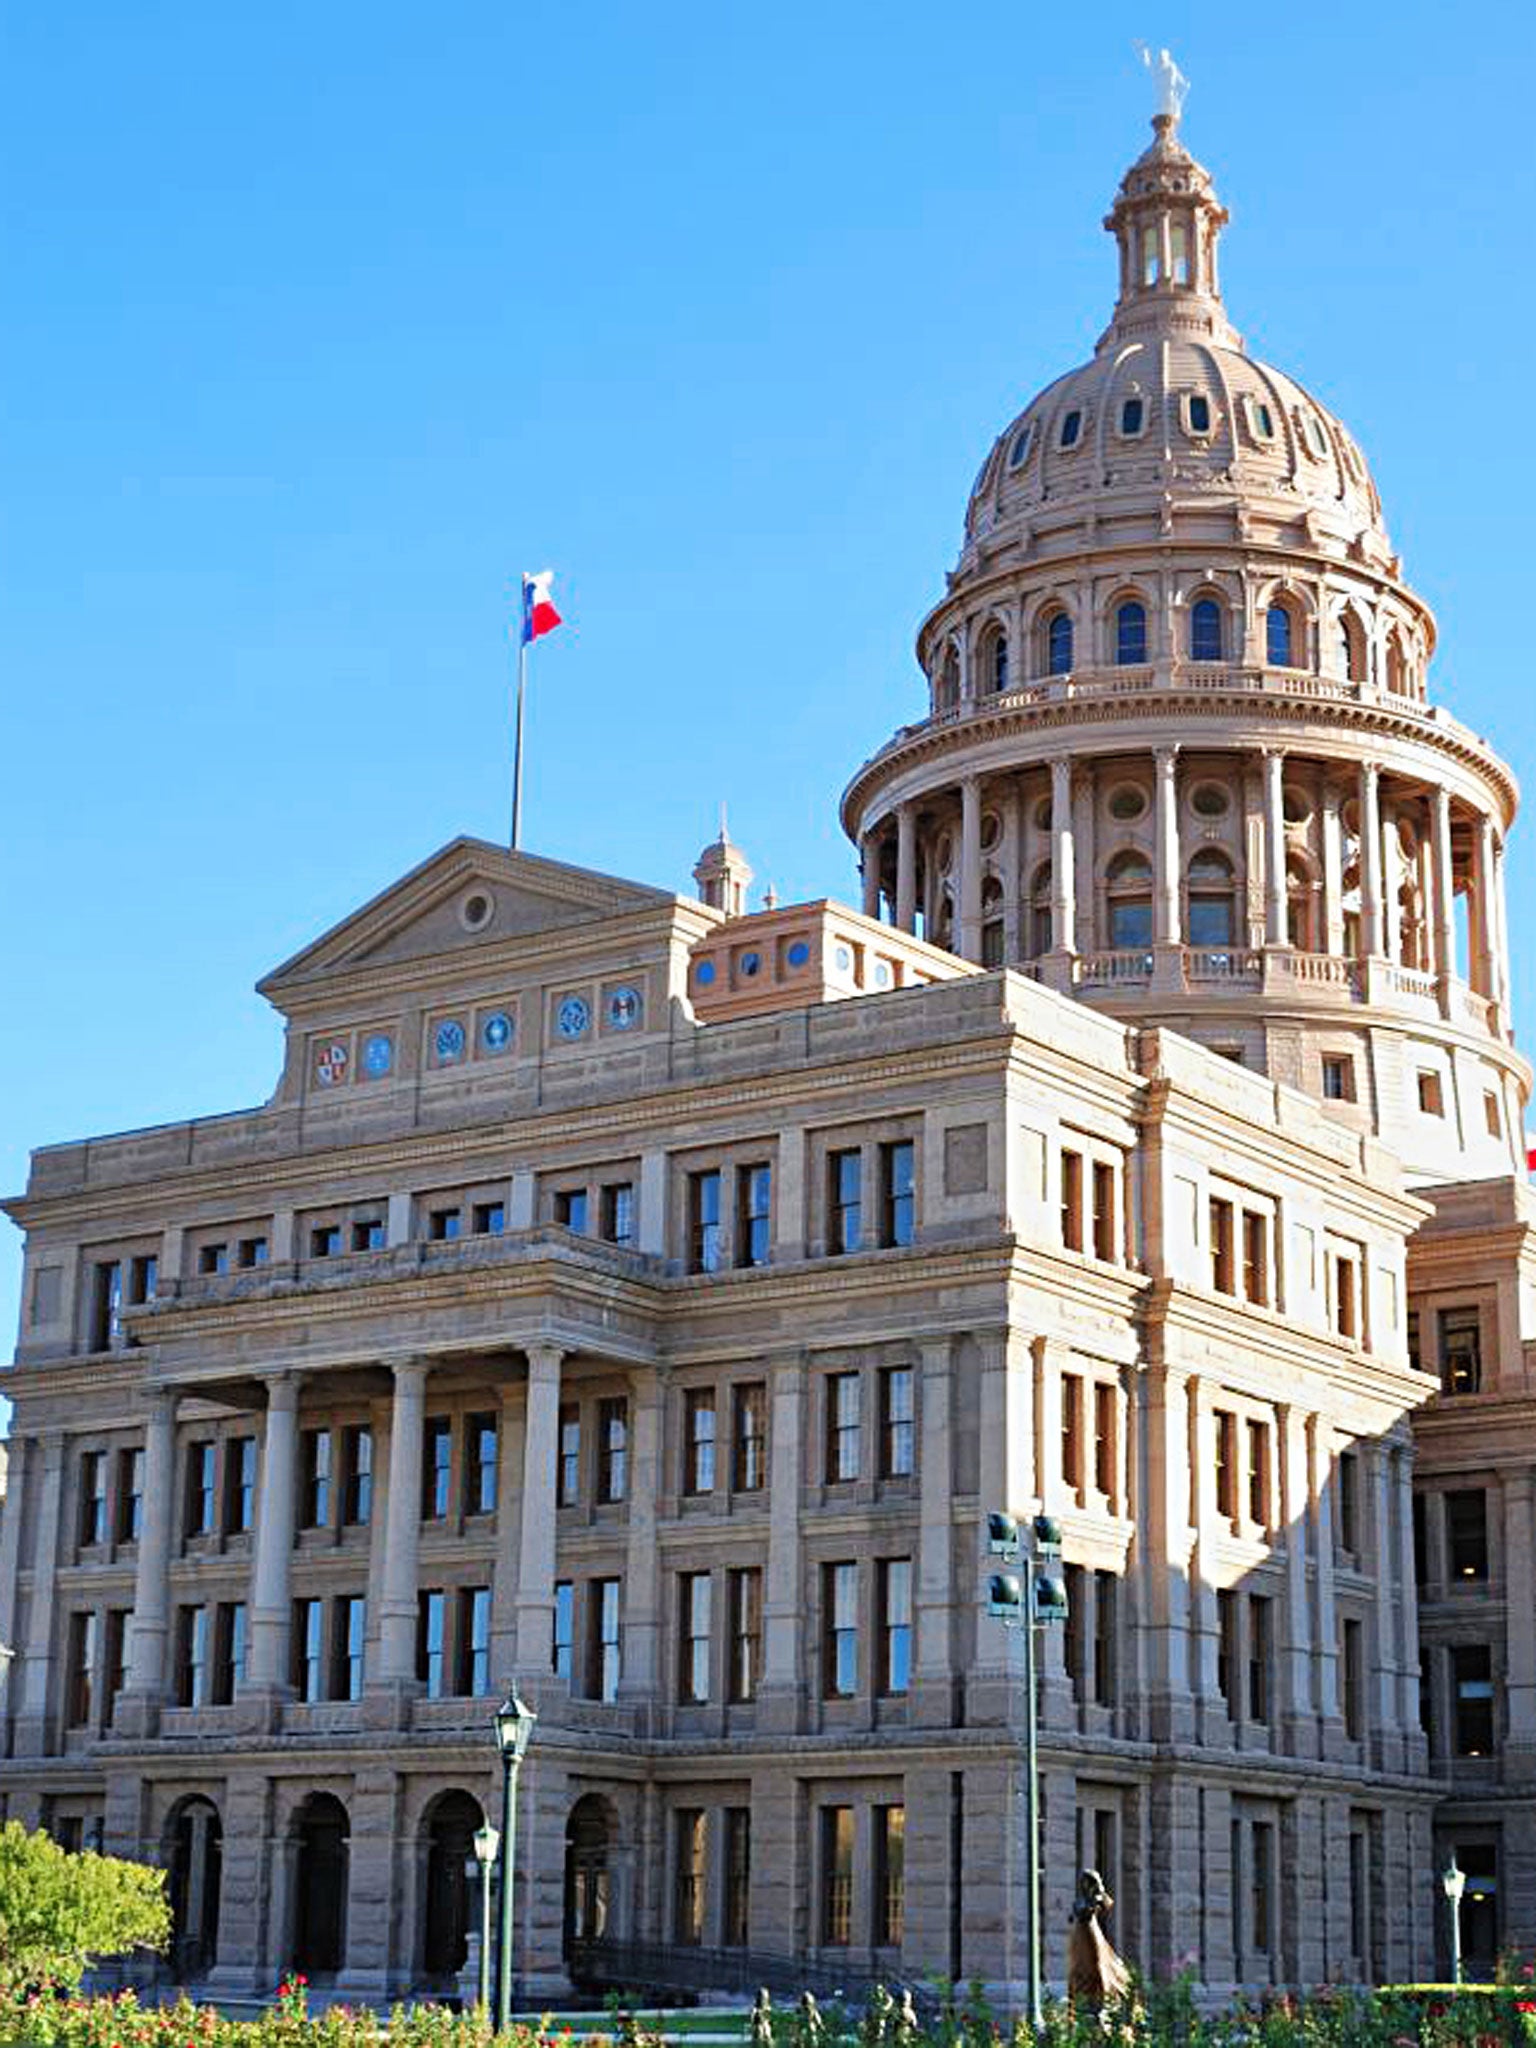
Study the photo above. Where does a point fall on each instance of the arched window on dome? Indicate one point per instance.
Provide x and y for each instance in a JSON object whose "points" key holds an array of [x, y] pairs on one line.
{"points": [[1130, 633], [1300, 905], [1282, 639], [1058, 644], [1180, 247], [991, 922], [1212, 899], [1397, 666], [1149, 255], [995, 667], [1205, 630], [947, 695], [1040, 911], [1351, 648], [1128, 895]]}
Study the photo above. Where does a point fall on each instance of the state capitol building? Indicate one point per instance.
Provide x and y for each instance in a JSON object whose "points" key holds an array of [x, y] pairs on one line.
{"points": [[642, 1299]]}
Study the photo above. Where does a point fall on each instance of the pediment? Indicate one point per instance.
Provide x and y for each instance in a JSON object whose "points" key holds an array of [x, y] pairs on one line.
{"points": [[469, 894]]}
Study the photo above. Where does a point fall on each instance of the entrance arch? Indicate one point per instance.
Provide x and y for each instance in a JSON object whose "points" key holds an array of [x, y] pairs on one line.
{"points": [[321, 1868], [589, 1841], [195, 1860], [449, 1835]]}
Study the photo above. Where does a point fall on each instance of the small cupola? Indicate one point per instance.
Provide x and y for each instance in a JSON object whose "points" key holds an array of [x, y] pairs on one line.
{"points": [[723, 873]]}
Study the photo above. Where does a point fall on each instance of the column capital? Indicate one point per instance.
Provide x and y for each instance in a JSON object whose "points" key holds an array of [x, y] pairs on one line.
{"points": [[544, 1359], [1166, 756], [407, 1366], [283, 1391]]}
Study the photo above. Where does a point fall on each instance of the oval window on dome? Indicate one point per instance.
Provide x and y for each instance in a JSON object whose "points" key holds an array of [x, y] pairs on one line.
{"points": [[1127, 803], [1261, 421], [1022, 446], [1197, 412], [991, 830], [1210, 800], [1043, 815], [1133, 417], [1296, 805], [1312, 434], [1071, 427]]}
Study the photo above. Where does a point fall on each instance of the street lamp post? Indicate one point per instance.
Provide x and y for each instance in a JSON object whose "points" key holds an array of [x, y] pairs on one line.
{"points": [[487, 1842], [514, 1729], [1453, 1882], [1028, 1599]]}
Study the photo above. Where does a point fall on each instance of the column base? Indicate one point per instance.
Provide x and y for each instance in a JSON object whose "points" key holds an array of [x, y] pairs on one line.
{"points": [[780, 1709], [1167, 970], [386, 1703], [259, 1709], [932, 1702], [29, 1736], [136, 1716], [1059, 971]]}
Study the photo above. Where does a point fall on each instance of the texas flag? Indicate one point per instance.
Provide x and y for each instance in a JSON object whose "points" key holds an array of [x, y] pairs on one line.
{"points": [[539, 614]]}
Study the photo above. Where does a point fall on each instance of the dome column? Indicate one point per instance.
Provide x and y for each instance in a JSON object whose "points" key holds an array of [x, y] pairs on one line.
{"points": [[869, 867], [1167, 927], [969, 907], [1370, 861], [1486, 965], [1063, 874], [1276, 924], [1500, 976], [1445, 894], [906, 867]]}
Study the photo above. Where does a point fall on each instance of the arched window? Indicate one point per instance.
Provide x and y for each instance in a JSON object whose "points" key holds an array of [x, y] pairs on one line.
{"points": [[1058, 645], [997, 662], [1205, 630], [1279, 637], [1351, 648], [991, 922], [1130, 633], [1128, 888], [1212, 899], [1040, 911], [1397, 667], [1298, 907], [948, 692]]}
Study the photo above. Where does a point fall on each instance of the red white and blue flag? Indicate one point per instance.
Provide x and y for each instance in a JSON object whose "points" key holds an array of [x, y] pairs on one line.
{"points": [[539, 614]]}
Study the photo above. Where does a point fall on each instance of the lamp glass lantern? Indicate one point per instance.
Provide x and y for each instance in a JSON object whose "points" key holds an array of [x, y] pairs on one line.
{"points": [[514, 1728]]}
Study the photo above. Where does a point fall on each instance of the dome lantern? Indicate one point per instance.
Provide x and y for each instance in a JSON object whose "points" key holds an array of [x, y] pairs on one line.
{"points": [[1167, 220]]}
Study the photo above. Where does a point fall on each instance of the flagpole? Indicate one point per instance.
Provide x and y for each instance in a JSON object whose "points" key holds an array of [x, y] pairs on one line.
{"points": [[517, 744]]}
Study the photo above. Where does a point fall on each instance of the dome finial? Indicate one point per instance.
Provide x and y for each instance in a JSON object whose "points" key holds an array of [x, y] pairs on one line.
{"points": [[1172, 85]]}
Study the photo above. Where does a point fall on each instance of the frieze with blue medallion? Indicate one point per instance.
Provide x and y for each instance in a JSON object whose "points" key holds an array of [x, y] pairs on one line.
{"points": [[378, 1055], [497, 1030], [573, 1018], [448, 1042], [624, 1009]]}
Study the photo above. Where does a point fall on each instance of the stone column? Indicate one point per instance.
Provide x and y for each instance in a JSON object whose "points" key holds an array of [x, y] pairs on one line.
{"points": [[969, 906], [1382, 1706], [1501, 928], [1408, 1609], [1007, 1406], [1296, 1649], [869, 864], [906, 867], [1445, 901], [933, 1686], [1330, 936], [781, 1694], [1520, 1649], [1163, 1596], [272, 1565], [1276, 924], [536, 1546], [1391, 907], [20, 1448], [32, 1718], [1063, 876], [509, 1503], [1212, 1717], [138, 1712], [640, 1669], [1371, 927], [1483, 966], [395, 1680], [1320, 1541], [1167, 928]]}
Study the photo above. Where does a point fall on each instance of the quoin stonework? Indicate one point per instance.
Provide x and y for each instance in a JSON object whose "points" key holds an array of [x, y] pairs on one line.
{"points": [[642, 1299]]}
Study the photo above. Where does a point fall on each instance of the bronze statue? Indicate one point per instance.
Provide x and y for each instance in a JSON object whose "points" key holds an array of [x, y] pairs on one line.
{"points": [[1096, 1976]]}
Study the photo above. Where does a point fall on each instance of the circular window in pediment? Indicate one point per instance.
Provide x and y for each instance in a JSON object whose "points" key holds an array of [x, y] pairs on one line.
{"points": [[477, 910]]}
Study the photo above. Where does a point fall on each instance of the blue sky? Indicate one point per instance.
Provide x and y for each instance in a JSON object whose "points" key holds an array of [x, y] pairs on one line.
{"points": [[318, 324]]}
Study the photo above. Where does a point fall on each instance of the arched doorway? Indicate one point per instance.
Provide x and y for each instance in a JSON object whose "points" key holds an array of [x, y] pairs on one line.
{"points": [[588, 1893], [451, 1822], [196, 1862], [320, 1875]]}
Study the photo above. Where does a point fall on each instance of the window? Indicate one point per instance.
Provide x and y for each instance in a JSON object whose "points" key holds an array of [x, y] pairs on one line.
{"points": [[1072, 1628], [228, 1651], [568, 1475], [998, 663], [368, 1234], [688, 1898], [745, 1588], [239, 1485], [1461, 1351], [143, 1278], [898, 1428], [603, 1609], [1212, 900], [1472, 1684], [845, 1207], [1071, 428], [480, 1465], [842, 1427], [1256, 1257], [130, 1495], [1259, 1639], [1349, 1501], [443, 1225], [1072, 1200], [1420, 1542], [750, 1437], [348, 1622], [1133, 414], [1128, 889], [616, 1206], [308, 1651], [474, 1672], [1261, 1887], [1023, 442], [897, 1192], [738, 1875], [115, 1660], [695, 1596], [490, 1219], [1338, 1078], [612, 1448], [1352, 1657], [93, 1498], [1222, 1226], [895, 1591], [325, 1241], [565, 1629], [1344, 1272], [251, 1251], [1058, 644], [1103, 1210], [1226, 1463], [314, 1478], [1130, 634], [436, 1468], [1198, 408], [80, 1670], [754, 1202], [213, 1258], [1466, 1534], [1492, 1121], [836, 1876], [1278, 637], [571, 1209], [1431, 1094], [1258, 1474], [106, 1304], [704, 1222], [839, 1631], [357, 1475], [890, 1876], [1352, 659], [1226, 1647], [699, 1440], [1106, 1661], [198, 1504], [1104, 1439], [1072, 1430]]}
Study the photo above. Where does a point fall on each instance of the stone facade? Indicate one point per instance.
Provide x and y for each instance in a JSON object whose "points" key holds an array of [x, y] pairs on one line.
{"points": [[642, 1302]]}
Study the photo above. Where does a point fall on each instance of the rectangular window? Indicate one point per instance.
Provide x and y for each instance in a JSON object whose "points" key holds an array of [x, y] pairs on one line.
{"points": [[357, 1475], [565, 1629], [1106, 1657], [1259, 1645], [1221, 1246], [228, 1651], [836, 1876], [1420, 1542], [699, 1440], [612, 1448], [436, 1468], [842, 1427], [688, 1895], [349, 1623], [192, 1657], [1072, 1430], [1472, 1683], [1103, 1211], [93, 1498], [604, 1610], [1338, 1078], [1346, 1298], [443, 1225], [1226, 1648], [1104, 1439], [1353, 1659], [1466, 1534], [745, 1588], [474, 1646], [213, 1258], [695, 1591], [1072, 1201], [480, 1465], [1431, 1094], [325, 1241], [898, 1192], [568, 1477], [308, 1649], [749, 1445], [1461, 1351], [845, 1201], [239, 1485], [704, 1235], [198, 1502], [130, 1495], [895, 1592], [115, 1660], [1256, 1257], [890, 1845], [1262, 1885], [839, 1631], [1258, 1474], [571, 1209], [1493, 1123], [1349, 1501], [252, 1251], [314, 1478], [1072, 1629], [1226, 1463], [738, 1875], [368, 1234], [898, 1427], [754, 1215], [80, 1670], [617, 1204], [143, 1278], [106, 1304], [489, 1219]]}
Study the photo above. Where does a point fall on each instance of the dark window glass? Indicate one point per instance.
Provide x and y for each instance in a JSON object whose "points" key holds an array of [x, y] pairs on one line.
{"points": [[192, 1669], [565, 1626], [1071, 428], [80, 1670], [315, 1479], [688, 1891], [612, 1448], [1132, 413], [568, 1476], [890, 1876], [695, 1602], [898, 1427], [130, 1495], [1058, 644], [1258, 1656], [895, 1588], [350, 1625], [1472, 1682], [1199, 414], [480, 1465], [106, 1304], [754, 1202], [357, 1475], [308, 1647], [252, 1251], [571, 1209], [603, 1608], [228, 1652], [436, 1468], [93, 1497], [1466, 1534], [490, 1219], [1277, 636], [1205, 630], [198, 1516], [746, 1626], [239, 1485], [1106, 1649], [704, 1222], [836, 1876], [897, 1192], [618, 1212], [842, 1427], [368, 1234], [1130, 634], [845, 1205], [750, 1440], [738, 1874], [213, 1258], [444, 1225], [840, 1630], [1461, 1351], [325, 1241], [700, 1442], [474, 1675]]}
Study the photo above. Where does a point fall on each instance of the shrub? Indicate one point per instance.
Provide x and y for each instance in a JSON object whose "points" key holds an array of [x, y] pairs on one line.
{"points": [[58, 1910]]}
